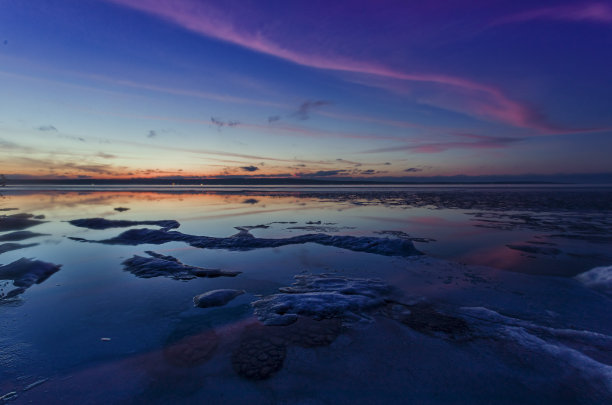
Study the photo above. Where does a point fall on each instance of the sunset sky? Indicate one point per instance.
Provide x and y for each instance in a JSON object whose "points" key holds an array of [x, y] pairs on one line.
{"points": [[312, 89]]}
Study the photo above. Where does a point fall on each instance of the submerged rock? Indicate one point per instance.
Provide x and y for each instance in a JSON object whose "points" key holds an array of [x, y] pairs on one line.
{"points": [[308, 332], [216, 298], [26, 272], [159, 265], [243, 240], [103, 223], [262, 349], [322, 297], [424, 318], [258, 357], [7, 247]]}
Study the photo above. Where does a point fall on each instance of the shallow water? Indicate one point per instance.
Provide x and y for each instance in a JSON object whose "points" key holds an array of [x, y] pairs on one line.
{"points": [[521, 329]]}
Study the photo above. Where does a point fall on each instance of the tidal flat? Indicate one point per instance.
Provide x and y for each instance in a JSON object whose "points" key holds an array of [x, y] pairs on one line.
{"points": [[303, 295]]}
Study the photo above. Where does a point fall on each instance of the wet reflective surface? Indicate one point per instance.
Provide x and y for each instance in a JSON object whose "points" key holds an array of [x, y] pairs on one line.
{"points": [[97, 330]]}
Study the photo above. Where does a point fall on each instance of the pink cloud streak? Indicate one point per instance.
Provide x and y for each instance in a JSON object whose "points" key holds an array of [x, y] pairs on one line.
{"points": [[207, 21], [593, 12]]}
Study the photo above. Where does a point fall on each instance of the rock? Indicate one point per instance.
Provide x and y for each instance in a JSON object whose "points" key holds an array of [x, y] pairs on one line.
{"points": [[257, 357], [280, 320], [426, 319], [308, 332], [262, 349], [216, 298]]}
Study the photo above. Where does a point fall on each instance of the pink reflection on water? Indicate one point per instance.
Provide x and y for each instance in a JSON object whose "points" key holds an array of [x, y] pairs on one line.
{"points": [[170, 368], [499, 257]]}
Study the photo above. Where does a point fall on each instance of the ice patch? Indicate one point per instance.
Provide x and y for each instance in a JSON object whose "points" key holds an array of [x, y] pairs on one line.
{"points": [[159, 265], [599, 278], [561, 344], [243, 240], [216, 298], [102, 223], [322, 296], [597, 374], [7, 247], [19, 235], [19, 221], [24, 273]]}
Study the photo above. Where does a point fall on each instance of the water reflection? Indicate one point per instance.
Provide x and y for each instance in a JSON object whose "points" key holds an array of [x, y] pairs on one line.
{"points": [[93, 323], [445, 219]]}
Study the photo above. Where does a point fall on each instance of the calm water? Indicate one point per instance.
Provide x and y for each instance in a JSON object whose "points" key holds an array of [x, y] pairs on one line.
{"points": [[95, 333]]}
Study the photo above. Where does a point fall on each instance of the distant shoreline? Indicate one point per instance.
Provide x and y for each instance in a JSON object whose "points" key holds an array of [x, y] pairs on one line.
{"points": [[256, 182]]}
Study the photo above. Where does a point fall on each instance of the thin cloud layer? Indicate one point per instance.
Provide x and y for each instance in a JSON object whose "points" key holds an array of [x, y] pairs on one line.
{"points": [[205, 19], [418, 88], [598, 12], [47, 128]]}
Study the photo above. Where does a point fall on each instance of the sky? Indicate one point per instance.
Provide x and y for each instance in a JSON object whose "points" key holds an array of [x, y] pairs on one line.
{"points": [[363, 89]]}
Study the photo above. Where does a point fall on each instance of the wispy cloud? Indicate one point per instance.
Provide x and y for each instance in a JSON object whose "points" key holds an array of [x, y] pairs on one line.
{"points": [[598, 12], [323, 173], [249, 168], [472, 142], [4, 144], [208, 21], [308, 106], [47, 128], [177, 91], [413, 170], [374, 120], [220, 124], [70, 168], [105, 155]]}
